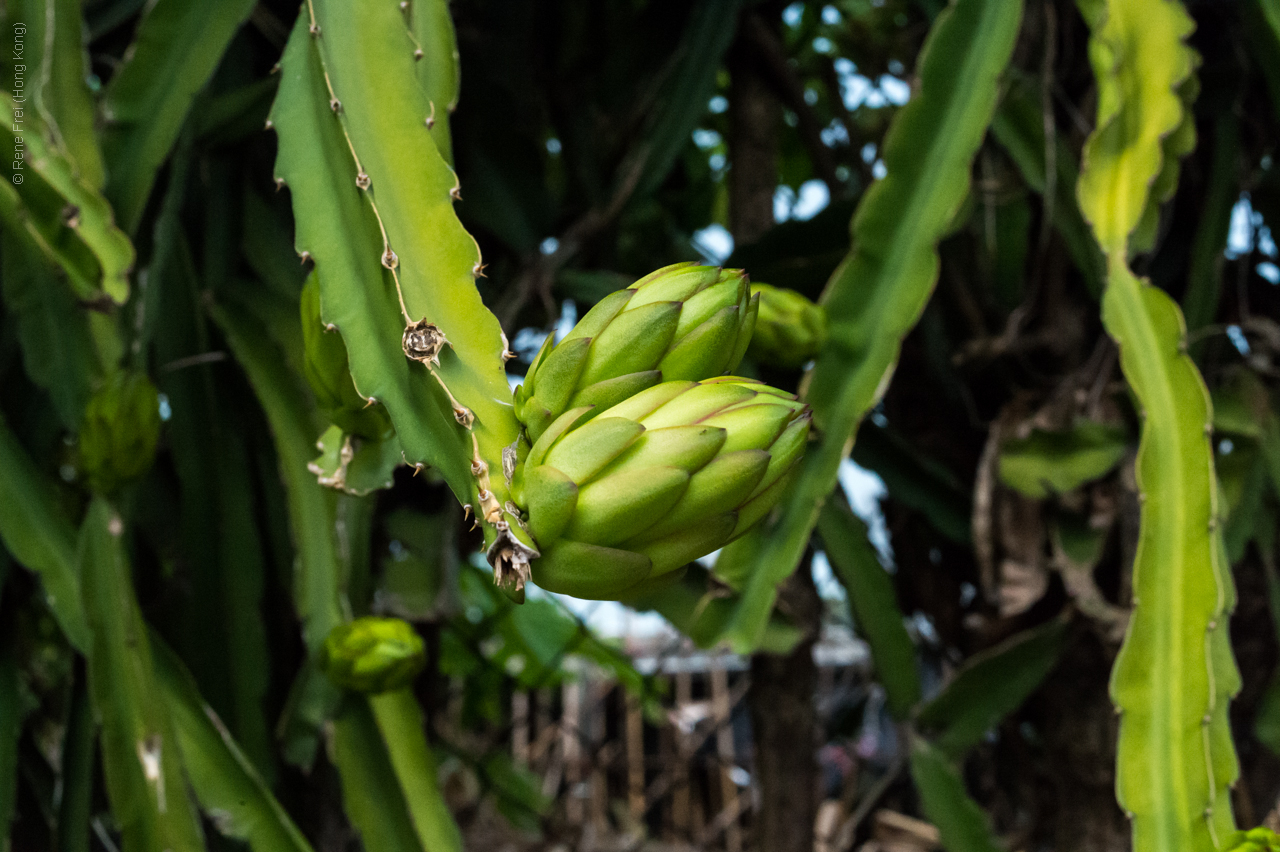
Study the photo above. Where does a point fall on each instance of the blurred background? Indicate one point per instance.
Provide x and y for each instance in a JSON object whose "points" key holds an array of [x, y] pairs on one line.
{"points": [[990, 496]]}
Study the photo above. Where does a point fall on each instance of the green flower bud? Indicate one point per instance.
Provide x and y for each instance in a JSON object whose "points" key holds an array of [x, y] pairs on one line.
{"points": [[683, 322], [664, 477], [790, 330], [119, 431], [1255, 840], [373, 654]]}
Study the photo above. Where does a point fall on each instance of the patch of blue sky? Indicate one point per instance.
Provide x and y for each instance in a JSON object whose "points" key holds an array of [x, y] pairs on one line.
{"points": [[1240, 232], [714, 243], [811, 200], [834, 134], [706, 139]]}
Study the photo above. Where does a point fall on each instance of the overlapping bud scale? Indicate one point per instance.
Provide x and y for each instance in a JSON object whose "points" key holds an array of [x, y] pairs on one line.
{"points": [[658, 479], [683, 322]]}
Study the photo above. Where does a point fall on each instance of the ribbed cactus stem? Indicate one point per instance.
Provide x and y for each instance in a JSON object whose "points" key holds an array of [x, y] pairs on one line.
{"points": [[472, 389]]}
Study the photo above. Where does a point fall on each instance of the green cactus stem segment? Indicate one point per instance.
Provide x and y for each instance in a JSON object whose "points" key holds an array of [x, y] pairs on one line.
{"points": [[406, 190]]}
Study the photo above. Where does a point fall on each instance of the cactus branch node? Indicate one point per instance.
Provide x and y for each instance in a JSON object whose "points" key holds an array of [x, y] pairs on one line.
{"points": [[422, 342]]}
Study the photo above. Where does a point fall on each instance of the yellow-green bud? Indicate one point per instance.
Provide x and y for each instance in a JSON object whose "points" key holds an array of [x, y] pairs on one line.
{"points": [[683, 322], [790, 330], [656, 481], [373, 654], [1255, 840], [119, 431]]}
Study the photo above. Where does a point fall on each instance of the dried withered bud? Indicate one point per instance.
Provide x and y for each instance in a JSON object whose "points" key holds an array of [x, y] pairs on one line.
{"points": [[423, 341]]}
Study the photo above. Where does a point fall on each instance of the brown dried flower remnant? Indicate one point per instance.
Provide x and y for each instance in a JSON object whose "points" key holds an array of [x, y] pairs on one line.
{"points": [[423, 341]]}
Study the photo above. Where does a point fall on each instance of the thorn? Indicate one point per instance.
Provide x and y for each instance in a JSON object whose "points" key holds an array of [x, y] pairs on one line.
{"points": [[466, 511], [275, 69], [331, 327], [1213, 625], [362, 180], [417, 468], [335, 105], [279, 184], [370, 402], [418, 54], [464, 417], [404, 5], [1213, 524], [269, 125], [314, 29], [455, 194], [477, 271], [389, 259], [306, 257], [507, 355], [1208, 430], [430, 122], [478, 467], [1208, 719]]}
